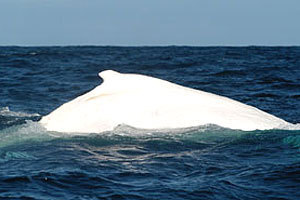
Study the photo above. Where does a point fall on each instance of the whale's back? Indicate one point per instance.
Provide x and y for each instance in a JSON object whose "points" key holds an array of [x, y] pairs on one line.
{"points": [[150, 103]]}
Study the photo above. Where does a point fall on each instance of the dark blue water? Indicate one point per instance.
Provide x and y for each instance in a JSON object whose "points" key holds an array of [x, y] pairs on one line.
{"points": [[207, 162]]}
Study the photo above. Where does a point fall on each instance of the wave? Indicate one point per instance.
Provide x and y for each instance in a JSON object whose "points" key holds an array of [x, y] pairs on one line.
{"points": [[29, 131], [33, 132], [6, 112]]}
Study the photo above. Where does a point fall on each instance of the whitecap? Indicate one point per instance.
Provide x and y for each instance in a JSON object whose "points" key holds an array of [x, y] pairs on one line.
{"points": [[6, 112]]}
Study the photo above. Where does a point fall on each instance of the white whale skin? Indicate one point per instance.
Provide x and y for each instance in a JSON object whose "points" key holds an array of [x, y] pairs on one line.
{"points": [[150, 103]]}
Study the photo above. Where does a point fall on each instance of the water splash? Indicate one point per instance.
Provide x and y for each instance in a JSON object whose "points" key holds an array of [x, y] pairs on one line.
{"points": [[6, 112]]}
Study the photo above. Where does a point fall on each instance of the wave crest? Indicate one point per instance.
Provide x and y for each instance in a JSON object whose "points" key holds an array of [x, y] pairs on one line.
{"points": [[6, 112]]}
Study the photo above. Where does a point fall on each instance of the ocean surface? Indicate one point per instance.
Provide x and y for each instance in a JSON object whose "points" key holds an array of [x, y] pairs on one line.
{"points": [[206, 162]]}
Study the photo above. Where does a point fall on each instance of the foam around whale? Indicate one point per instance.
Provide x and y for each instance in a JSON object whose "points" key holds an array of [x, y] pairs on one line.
{"points": [[150, 103]]}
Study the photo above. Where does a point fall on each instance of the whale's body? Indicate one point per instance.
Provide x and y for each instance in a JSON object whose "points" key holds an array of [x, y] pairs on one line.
{"points": [[149, 103]]}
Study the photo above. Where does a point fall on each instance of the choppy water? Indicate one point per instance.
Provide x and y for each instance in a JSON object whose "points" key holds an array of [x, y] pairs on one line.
{"points": [[207, 162]]}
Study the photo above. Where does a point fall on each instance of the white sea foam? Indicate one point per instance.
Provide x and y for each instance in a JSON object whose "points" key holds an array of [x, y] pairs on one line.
{"points": [[5, 111], [290, 127], [18, 134]]}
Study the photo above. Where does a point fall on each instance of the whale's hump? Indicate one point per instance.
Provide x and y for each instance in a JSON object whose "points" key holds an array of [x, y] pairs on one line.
{"points": [[115, 81], [108, 74]]}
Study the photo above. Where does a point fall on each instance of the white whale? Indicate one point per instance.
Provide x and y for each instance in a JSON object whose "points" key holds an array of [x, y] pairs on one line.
{"points": [[150, 103]]}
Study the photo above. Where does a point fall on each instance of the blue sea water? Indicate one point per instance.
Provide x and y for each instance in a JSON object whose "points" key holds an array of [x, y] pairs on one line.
{"points": [[207, 162]]}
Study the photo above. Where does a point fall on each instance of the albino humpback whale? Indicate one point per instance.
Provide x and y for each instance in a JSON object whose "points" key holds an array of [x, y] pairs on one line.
{"points": [[150, 103]]}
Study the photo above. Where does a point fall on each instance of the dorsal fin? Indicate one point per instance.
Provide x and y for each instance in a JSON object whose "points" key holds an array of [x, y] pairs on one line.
{"points": [[108, 74]]}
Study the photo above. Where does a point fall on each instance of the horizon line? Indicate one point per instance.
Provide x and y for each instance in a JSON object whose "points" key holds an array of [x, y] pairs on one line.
{"points": [[139, 46]]}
